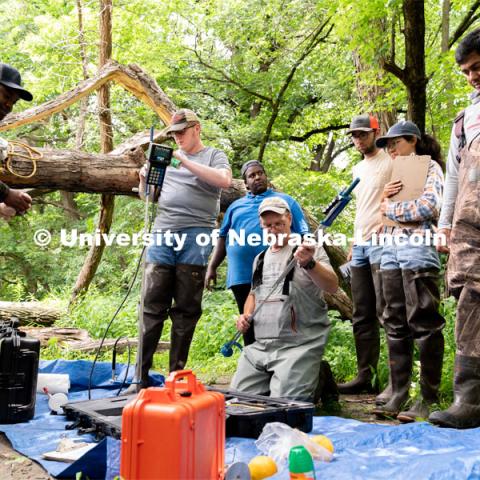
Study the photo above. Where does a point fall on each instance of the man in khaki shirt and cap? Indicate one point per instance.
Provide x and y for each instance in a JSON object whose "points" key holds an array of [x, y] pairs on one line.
{"points": [[374, 172]]}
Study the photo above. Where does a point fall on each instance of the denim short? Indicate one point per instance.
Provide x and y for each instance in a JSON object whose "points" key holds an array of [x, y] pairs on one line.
{"points": [[366, 254], [409, 257], [190, 246]]}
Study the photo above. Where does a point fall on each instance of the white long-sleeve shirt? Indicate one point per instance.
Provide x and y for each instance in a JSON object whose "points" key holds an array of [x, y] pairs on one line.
{"points": [[472, 129]]}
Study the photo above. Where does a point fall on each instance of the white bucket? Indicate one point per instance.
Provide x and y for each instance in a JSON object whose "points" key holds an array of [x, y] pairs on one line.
{"points": [[54, 382]]}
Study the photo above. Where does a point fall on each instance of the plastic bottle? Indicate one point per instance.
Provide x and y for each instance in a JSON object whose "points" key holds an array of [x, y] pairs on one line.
{"points": [[300, 464]]}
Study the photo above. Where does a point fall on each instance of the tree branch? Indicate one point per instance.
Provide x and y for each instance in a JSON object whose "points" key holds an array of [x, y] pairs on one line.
{"points": [[227, 78], [315, 131], [394, 69], [336, 153], [466, 22], [316, 39], [59, 205]]}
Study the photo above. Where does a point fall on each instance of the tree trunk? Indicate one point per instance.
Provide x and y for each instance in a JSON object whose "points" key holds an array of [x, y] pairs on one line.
{"points": [[42, 313], [76, 171], [445, 25], [328, 154], [369, 93], [95, 254], [415, 75], [68, 198], [70, 206], [131, 78]]}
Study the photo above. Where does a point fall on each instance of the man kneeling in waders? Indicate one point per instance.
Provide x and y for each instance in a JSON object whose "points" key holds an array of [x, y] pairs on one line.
{"points": [[291, 328]]}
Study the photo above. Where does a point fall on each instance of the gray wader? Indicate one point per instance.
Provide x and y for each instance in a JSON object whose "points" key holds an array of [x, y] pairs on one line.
{"points": [[291, 331]]}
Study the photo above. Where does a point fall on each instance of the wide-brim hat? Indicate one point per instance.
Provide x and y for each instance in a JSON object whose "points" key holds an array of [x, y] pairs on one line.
{"points": [[11, 78]]}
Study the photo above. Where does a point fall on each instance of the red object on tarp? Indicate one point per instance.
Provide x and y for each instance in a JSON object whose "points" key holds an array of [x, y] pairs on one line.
{"points": [[174, 432]]}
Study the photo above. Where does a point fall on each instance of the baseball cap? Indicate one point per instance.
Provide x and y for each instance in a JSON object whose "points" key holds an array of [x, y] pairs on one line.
{"points": [[181, 119], [11, 78], [400, 129], [250, 163], [363, 123], [274, 204]]}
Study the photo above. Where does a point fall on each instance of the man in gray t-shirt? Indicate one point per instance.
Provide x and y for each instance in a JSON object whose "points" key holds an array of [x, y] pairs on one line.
{"points": [[176, 264]]}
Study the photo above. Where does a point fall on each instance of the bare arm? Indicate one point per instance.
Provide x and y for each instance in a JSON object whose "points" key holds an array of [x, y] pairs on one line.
{"points": [[217, 177], [322, 276], [243, 321], [218, 255]]}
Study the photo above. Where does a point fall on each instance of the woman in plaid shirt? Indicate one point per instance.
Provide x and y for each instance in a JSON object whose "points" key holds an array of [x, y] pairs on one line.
{"points": [[410, 274]]}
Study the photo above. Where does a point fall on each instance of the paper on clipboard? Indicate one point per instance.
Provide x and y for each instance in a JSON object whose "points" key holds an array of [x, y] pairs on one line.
{"points": [[412, 171]]}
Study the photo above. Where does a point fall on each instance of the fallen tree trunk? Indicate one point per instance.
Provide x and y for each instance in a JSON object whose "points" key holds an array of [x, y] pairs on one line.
{"points": [[91, 346], [76, 171], [79, 340], [61, 334], [31, 312], [130, 77]]}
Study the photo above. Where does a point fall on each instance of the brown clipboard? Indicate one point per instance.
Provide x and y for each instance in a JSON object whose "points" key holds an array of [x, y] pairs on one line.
{"points": [[412, 171]]}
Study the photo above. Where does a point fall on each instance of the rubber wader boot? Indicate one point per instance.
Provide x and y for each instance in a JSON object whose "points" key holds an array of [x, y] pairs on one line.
{"points": [[399, 340], [431, 361], [365, 332], [386, 394], [158, 295], [186, 311], [465, 410], [384, 397], [401, 357], [422, 301], [326, 390]]}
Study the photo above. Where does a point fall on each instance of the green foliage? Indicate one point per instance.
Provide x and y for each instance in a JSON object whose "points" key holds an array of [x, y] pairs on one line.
{"points": [[250, 70]]}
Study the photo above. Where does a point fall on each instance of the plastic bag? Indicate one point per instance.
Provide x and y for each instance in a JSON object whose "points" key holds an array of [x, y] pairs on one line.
{"points": [[277, 439]]}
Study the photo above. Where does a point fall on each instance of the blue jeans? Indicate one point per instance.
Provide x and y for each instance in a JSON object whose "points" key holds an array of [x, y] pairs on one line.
{"points": [[187, 247], [366, 254], [409, 257]]}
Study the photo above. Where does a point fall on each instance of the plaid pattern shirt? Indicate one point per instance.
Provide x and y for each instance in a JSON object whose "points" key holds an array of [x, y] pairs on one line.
{"points": [[424, 210]]}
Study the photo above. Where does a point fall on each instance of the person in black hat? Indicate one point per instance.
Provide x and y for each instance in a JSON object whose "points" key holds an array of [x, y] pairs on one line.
{"points": [[410, 277], [240, 218], [11, 90]]}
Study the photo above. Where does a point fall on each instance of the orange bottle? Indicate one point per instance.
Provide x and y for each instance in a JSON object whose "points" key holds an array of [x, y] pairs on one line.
{"points": [[174, 432]]}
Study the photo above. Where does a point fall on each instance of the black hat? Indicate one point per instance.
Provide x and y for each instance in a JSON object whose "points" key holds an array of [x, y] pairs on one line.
{"points": [[400, 129], [10, 77]]}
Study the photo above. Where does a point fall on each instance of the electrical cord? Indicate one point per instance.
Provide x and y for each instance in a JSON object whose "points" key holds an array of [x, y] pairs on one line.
{"points": [[139, 263], [114, 356]]}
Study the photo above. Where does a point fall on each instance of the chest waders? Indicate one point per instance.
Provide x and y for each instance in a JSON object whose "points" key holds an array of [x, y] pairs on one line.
{"points": [[291, 331], [464, 283]]}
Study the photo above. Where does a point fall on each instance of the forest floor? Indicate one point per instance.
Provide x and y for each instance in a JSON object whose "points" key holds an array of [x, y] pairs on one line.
{"points": [[14, 466]]}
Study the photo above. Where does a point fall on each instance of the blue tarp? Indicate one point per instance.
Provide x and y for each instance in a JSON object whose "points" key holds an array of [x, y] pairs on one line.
{"points": [[44, 431], [362, 450]]}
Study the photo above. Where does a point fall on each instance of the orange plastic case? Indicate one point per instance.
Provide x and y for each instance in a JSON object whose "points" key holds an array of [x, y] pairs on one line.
{"points": [[174, 432]]}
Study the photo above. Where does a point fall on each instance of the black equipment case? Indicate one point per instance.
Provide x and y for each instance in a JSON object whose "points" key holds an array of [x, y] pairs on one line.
{"points": [[19, 357], [246, 414]]}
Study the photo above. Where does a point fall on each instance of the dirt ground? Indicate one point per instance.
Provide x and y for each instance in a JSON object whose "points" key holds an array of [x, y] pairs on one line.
{"points": [[14, 466]]}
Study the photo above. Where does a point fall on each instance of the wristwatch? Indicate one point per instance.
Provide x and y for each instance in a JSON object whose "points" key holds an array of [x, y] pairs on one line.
{"points": [[311, 264]]}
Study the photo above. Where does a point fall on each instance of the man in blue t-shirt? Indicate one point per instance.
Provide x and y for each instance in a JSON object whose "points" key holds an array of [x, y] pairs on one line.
{"points": [[241, 220]]}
